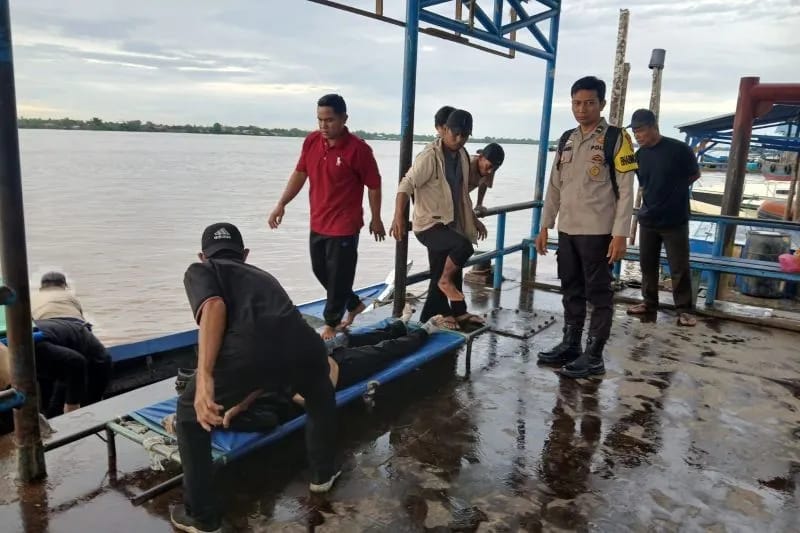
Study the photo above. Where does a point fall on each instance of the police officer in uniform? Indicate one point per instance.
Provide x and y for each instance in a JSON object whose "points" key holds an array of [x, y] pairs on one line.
{"points": [[591, 191]]}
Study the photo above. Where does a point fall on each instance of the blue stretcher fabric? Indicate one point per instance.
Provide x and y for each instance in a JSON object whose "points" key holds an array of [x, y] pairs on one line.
{"points": [[230, 444], [37, 336]]}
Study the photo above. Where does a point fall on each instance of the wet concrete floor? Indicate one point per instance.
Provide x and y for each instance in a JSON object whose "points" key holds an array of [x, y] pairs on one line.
{"points": [[690, 430]]}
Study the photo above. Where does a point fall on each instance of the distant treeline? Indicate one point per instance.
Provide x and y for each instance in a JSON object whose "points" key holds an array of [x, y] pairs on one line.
{"points": [[97, 124]]}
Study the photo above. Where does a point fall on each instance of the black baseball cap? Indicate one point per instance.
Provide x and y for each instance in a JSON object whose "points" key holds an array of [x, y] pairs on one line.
{"points": [[54, 278], [460, 121], [642, 117], [221, 236], [494, 153]]}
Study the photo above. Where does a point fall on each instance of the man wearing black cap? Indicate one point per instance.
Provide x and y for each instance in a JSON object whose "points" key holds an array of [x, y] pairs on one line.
{"points": [[667, 168], [251, 337], [482, 168], [443, 221]]}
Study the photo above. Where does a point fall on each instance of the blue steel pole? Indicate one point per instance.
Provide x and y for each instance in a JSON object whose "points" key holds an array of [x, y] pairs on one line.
{"points": [[544, 138], [500, 244], [14, 263], [406, 144], [498, 14], [713, 281]]}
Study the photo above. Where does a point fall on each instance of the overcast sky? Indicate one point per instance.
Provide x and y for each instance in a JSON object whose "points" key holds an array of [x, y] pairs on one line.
{"points": [[265, 62]]}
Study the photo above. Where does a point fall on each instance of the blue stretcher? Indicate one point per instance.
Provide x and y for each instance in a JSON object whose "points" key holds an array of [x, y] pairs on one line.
{"points": [[228, 445], [37, 336], [144, 425]]}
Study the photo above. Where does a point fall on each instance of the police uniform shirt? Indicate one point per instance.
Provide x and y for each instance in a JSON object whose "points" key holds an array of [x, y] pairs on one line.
{"points": [[580, 191]]}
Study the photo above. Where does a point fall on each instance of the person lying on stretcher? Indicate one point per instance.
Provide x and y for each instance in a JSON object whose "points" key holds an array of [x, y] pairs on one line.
{"points": [[352, 358]]}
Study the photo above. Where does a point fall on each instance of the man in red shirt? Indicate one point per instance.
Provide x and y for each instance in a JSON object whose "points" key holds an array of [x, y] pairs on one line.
{"points": [[338, 166]]}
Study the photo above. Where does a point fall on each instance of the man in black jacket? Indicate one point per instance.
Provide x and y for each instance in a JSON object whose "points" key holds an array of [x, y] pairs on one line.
{"points": [[667, 168]]}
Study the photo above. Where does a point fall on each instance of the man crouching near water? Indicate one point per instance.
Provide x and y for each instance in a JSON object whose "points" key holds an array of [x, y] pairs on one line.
{"points": [[251, 337]]}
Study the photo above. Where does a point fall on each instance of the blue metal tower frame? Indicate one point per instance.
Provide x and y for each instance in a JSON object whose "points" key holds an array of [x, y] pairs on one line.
{"points": [[493, 32], [488, 27]]}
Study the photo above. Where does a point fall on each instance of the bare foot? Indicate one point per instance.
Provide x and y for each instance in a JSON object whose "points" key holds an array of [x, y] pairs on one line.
{"points": [[351, 315], [327, 333], [450, 290]]}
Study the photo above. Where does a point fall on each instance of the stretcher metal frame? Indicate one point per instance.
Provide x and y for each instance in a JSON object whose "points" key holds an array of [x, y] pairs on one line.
{"points": [[162, 446]]}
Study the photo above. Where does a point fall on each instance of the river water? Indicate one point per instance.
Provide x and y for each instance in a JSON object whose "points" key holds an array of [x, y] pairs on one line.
{"points": [[121, 214]]}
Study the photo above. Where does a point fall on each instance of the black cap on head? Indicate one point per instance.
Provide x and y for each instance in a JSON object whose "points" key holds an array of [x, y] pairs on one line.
{"points": [[494, 153], [642, 117], [221, 236], [54, 279], [460, 121]]}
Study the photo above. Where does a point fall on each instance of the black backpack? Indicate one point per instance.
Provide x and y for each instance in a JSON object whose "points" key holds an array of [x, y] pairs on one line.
{"points": [[610, 142]]}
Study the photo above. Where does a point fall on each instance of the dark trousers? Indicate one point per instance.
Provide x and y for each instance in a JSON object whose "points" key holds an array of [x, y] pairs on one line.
{"points": [[586, 275], [371, 352], [56, 364], [308, 375], [442, 242], [676, 242], [333, 260], [72, 364]]}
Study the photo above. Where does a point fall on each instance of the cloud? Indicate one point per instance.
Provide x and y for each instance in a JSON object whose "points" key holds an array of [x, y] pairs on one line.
{"points": [[119, 63], [35, 109], [266, 63], [261, 89]]}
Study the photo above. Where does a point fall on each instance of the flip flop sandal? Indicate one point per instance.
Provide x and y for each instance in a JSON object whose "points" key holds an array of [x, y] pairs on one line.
{"points": [[446, 322], [168, 423], [470, 319], [687, 320], [639, 309]]}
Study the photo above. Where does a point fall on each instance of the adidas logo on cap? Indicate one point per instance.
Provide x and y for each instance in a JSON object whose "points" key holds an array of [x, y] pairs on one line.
{"points": [[222, 233]]}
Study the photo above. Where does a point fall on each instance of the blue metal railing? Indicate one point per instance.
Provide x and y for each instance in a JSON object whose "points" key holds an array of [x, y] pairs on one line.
{"points": [[501, 250], [501, 213], [722, 222]]}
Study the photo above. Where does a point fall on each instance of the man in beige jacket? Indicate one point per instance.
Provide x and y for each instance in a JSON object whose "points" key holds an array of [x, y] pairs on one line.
{"points": [[444, 221]]}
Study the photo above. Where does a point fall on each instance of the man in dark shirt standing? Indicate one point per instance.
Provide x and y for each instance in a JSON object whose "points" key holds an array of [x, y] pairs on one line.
{"points": [[338, 166], [667, 168], [251, 337]]}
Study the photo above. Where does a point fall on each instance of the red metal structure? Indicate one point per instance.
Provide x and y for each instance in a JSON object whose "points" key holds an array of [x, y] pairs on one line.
{"points": [[755, 100]]}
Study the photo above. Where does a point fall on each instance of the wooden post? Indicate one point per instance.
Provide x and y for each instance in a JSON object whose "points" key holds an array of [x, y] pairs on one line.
{"points": [[379, 7], [796, 210], [736, 172], [657, 66], [790, 212], [617, 89], [511, 51]]}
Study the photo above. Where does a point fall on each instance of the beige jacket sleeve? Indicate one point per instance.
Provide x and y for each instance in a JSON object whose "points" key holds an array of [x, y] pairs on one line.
{"points": [[422, 170], [624, 211], [552, 199]]}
